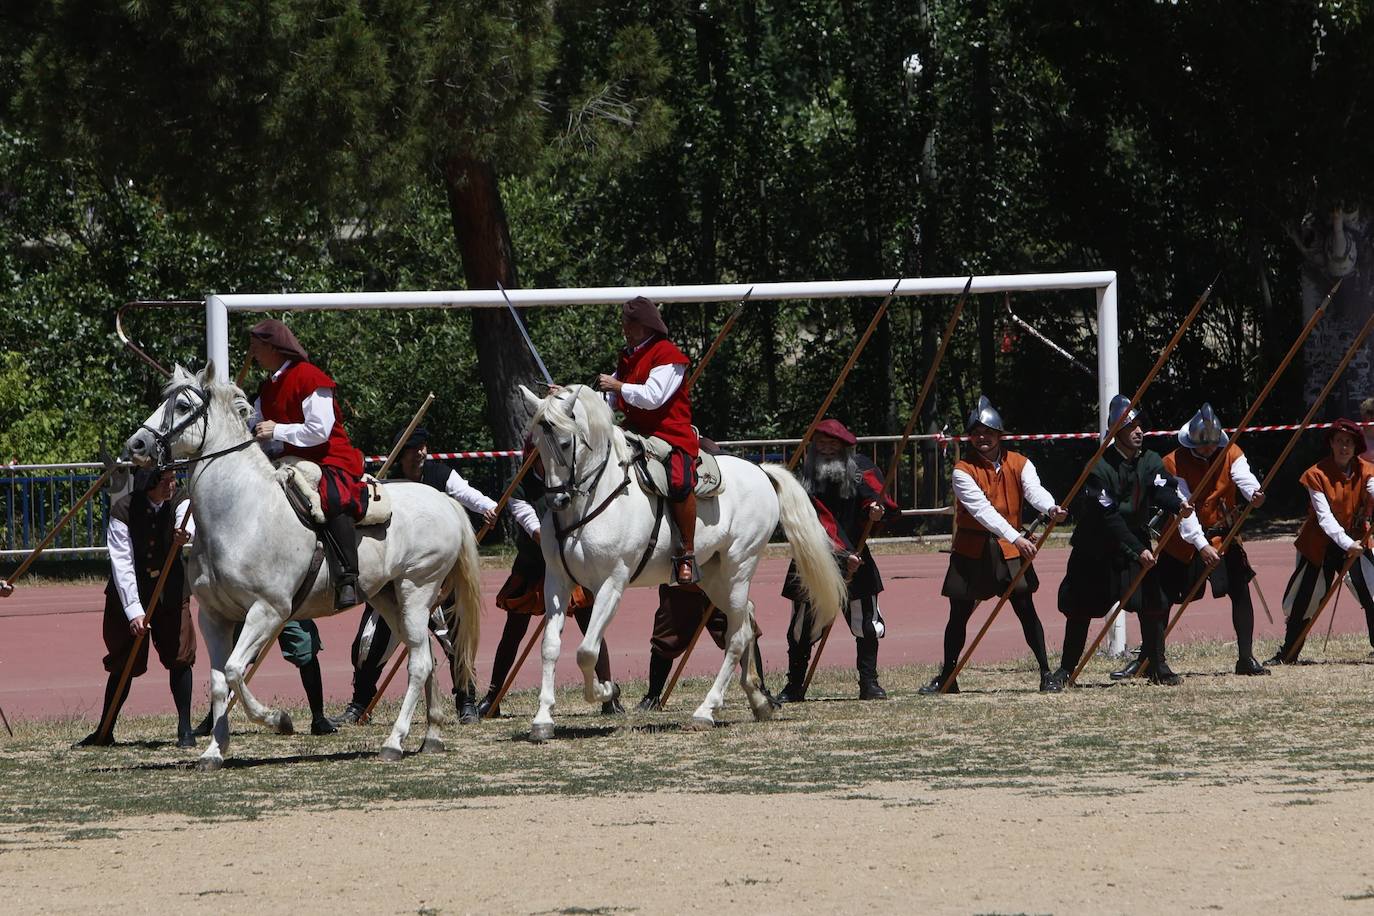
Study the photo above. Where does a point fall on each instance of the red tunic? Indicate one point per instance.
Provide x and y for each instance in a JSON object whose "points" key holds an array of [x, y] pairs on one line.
{"points": [[282, 399], [673, 421]]}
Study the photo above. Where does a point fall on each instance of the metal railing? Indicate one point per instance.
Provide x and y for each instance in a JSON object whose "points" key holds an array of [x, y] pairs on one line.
{"points": [[34, 496]]}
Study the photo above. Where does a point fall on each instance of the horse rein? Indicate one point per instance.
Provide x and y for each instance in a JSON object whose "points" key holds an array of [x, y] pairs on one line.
{"points": [[168, 432]]}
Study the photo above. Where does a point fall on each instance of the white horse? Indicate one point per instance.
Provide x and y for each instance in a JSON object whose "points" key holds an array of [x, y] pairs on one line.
{"points": [[607, 524], [252, 554]]}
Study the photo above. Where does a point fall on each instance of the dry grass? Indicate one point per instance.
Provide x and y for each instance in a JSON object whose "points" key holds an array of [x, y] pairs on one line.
{"points": [[1302, 724]]}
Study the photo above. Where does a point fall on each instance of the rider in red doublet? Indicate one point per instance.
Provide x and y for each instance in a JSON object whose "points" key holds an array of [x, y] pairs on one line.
{"points": [[298, 417], [650, 388]]}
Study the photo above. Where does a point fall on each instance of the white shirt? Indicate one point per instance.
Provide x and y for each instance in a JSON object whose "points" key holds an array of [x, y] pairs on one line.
{"points": [[318, 409], [1244, 480], [1327, 521], [972, 498], [121, 546], [523, 512], [662, 382], [471, 498]]}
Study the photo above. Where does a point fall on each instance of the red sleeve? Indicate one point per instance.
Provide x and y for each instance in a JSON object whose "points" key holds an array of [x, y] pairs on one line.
{"points": [[873, 486], [831, 527]]}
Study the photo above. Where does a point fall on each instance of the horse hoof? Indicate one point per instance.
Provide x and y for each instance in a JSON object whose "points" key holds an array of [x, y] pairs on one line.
{"points": [[698, 724], [432, 746], [209, 764], [389, 755], [541, 731], [284, 725], [763, 713]]}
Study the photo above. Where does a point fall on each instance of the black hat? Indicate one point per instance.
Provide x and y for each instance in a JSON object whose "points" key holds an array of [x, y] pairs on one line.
{"points": [[418, 436]]}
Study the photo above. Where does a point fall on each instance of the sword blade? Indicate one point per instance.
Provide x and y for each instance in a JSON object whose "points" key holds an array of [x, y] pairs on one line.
{"points": [[548, 379]]}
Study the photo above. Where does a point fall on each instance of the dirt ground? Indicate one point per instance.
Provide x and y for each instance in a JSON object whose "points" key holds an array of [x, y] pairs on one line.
{"points": [[1116, 845]]}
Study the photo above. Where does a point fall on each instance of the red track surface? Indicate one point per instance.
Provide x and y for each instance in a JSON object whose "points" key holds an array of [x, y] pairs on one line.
{"points": [[50, 643]]}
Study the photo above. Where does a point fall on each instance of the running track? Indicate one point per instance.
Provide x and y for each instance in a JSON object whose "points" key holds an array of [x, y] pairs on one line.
{"points": [[50, 643]]}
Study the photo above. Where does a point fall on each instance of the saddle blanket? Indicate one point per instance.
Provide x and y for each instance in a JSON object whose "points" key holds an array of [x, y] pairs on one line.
{"points": [[304, 478], [653, 475]]}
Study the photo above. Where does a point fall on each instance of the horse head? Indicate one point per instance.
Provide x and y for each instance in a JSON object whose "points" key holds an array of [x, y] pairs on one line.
{"points": [[181, 425], [574, 432]]}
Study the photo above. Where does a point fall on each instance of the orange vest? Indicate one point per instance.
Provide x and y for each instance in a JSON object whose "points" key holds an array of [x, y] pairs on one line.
{"points": [[1002, 487], [1345, 496], [1211, 504]]}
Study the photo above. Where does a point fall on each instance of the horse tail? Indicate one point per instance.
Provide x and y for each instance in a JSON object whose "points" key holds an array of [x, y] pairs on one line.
{"points": [[822, 585], [464, 582]]}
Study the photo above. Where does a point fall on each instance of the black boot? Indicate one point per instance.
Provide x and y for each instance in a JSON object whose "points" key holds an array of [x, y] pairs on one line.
{"points": [[798, 660], [1160, 673], [465, 702], [613, 706], [1128, 672], [314, 695], [937, 682], [487, 709], [352, 715], [179, 679], [340, 531], [113, 704], [866, 660], [660, 667], [1050, 684], [1249, 665]]}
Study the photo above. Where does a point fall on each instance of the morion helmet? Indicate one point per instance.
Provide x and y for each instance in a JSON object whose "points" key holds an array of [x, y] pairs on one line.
{"points": [[985, 415], [1203, 429], [1116, 408]]}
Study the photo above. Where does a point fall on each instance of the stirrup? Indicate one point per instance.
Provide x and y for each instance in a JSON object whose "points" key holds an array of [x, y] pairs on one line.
{"points": [[695, 576]]}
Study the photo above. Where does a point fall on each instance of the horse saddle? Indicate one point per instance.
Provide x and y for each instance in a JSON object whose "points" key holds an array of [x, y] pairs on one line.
{"points": [[301, 480], [650, 454]]}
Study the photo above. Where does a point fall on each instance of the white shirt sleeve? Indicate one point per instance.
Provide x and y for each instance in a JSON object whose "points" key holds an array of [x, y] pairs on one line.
{"points": [[122, 567], [663, 381], [182, 508], [1244, 478], [1190, 529], [1039, 498], [1327, 522], [319, 420], [972, 498], [524, 515], [471, 498]]}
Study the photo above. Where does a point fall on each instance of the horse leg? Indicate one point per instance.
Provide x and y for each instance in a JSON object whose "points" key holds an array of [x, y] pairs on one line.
{"points": [[603, 609], [556, 593], [410, 620], [260, 625], [758, 700], [219, 636], [734, 588]]}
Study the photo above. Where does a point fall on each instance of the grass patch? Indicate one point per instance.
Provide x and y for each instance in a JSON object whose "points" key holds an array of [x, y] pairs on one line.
{"points": [[1301, 725]]}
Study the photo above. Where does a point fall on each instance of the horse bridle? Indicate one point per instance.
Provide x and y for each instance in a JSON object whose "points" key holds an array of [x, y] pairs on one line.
{"points": [[168, 431]]}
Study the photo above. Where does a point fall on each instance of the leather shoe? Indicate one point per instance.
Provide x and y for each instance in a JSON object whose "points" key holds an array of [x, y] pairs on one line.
{"points": [[1127, 672], [485, 709], [872, 691], [185, 740], [934, 687], [1277, 659], [650, 703], [466, 706], [1049, 683], [1163, 675], [350, 716], [612, 708], [1250, 665], [792, 693], [322, 726], [94, 740], [1059, 679]]}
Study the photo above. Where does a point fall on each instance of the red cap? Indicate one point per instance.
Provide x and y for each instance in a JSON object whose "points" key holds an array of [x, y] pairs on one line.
{"points": [[832, 427], [1345, 425]]}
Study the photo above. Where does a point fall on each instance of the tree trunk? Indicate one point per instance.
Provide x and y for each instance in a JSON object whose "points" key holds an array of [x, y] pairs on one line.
{"points": [[483, 237]]}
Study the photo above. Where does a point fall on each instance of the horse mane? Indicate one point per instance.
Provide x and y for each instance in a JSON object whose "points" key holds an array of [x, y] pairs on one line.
{"points": [[224, 395], [600, 420]]}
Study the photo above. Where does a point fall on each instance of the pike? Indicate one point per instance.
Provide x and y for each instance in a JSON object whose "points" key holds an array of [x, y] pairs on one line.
{"points": [[1082, 479], [791, 465], [1283, 456], [1216, 466], [890, 477], [519, 323]]}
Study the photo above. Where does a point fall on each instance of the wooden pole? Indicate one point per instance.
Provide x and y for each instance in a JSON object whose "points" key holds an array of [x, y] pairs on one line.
{"points": [[1278, 463], [1207, 478], [1083, 478], [5, 719], [1335, 607], [107, 722], [519, 662], [791, 464], [890, 477]]}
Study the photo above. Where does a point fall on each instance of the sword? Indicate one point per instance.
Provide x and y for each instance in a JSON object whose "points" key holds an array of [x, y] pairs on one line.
{"points": [[548, 379]]}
